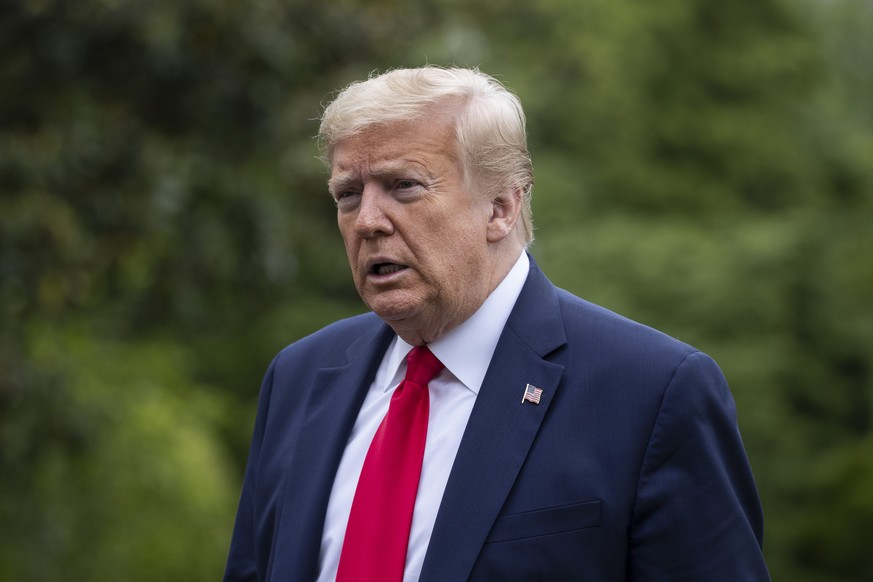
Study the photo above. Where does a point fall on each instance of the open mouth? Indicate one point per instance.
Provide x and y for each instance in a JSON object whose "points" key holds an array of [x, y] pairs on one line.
{"points": [[386, 268]]}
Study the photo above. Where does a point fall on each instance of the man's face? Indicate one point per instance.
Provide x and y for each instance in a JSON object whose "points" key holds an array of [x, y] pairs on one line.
{"points": [[415, 236]]}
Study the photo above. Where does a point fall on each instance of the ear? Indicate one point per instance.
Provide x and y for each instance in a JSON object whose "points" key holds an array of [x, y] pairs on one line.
{"points": [[505, 212]]}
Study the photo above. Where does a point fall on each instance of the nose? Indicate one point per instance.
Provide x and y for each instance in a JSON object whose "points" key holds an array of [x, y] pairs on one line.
{"points": [[371, 220]]}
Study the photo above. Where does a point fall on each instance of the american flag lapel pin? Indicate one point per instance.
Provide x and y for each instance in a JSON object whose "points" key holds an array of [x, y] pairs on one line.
{"points": [[532, 394]]}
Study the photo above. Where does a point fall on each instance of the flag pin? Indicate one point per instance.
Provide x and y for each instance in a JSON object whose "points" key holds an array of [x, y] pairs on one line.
{"points": [[532, 394]]}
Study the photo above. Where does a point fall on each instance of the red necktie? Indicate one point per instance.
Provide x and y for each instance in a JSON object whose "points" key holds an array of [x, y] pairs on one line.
{"points": [[374, 548]]}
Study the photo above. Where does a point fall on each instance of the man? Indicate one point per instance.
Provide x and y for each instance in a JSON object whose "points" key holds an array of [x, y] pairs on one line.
{"points": [[550, 439]]}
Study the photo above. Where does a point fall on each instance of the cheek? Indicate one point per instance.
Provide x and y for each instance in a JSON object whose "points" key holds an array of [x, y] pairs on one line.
{"points": [[460, 256], [352, 246], [346, 230]]}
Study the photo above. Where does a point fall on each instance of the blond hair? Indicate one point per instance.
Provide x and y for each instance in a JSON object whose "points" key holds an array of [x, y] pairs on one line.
{"points": [[489, 127]]}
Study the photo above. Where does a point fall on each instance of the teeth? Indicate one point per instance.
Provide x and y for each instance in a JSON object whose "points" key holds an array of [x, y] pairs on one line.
{"points": [[387, 268]]}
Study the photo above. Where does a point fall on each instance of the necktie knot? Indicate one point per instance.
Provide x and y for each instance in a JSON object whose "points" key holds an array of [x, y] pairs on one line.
{"points": [[422, 366]]}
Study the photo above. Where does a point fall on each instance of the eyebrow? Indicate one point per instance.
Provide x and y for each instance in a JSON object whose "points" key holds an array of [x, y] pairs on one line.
{"points": [[339, 182], [376, 170]]}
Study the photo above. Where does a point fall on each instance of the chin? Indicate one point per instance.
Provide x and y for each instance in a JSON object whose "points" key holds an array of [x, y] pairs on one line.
{"points": [[394, 306], [391, 313]]}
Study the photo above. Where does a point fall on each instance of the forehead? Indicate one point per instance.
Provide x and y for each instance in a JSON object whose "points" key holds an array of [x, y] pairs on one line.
{"points": [[424, 142]]}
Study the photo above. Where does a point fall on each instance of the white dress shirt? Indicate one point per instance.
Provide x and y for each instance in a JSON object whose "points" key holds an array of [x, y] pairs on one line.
{"points": [[466, 354]]}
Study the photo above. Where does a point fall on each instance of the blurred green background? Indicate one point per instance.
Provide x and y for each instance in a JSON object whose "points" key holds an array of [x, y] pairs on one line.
{"points": [[703, 167]]}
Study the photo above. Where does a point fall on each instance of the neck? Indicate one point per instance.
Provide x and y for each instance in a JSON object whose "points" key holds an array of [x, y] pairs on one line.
{"points": [[431, 327]]}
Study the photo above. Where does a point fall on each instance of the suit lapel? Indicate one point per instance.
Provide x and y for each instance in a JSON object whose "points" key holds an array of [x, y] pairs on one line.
{"points": [[500, 431], [331, 410]]}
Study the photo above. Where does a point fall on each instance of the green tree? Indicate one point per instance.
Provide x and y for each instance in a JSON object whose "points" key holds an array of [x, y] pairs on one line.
{"points": [[702, 167]]}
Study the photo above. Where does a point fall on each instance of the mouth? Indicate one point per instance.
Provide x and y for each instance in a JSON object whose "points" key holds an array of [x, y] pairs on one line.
{"points": [[384, 269]]}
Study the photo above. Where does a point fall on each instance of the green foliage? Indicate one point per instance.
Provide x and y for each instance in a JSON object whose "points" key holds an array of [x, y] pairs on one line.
{"points": [[702, 167], [111, 464]]}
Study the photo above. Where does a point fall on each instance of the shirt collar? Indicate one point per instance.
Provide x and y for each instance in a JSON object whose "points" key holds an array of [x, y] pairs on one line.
{"points": [[466, 351]]}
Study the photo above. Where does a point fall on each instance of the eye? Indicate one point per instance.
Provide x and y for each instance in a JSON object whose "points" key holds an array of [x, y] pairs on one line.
{"points": [[406, 184], [346, 199]]}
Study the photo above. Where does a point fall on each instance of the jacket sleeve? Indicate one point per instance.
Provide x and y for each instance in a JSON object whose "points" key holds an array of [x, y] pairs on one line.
{"points": [[697, 516], [242, 562]]}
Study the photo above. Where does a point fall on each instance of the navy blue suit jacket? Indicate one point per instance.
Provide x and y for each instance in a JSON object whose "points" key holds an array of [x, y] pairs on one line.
{"points": [[631, 466]]}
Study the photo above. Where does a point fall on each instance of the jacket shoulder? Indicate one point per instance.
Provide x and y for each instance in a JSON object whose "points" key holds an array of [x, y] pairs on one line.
{"points": [[616, 333]]}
